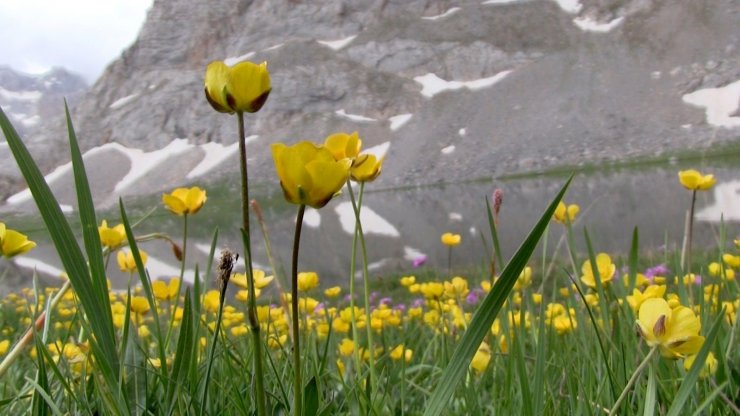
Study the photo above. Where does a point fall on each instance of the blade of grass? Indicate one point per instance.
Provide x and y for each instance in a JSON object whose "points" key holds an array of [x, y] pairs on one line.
{"points": [[494, 235], [74, 262], [689, 382], [650, 395], [480, 325]]}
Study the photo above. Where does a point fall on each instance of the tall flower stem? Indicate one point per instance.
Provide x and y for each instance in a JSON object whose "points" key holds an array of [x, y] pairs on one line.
{"points": [[297, 383], [254, 326], [686, 252], [182, 274], [356, 206], [632, 380], [352, 266]]}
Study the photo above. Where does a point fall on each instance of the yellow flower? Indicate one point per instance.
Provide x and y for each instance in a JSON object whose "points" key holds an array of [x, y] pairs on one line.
{"points": [[343, 145], [111, 237], [346, 347], [243, 87], [13, 243], [139, 304], [4, 345], [710, 365], [457, 287], [307, 281], [637, 298], [407, 281], [604, 266], [566, 214], [211, 301], [432, 290], [258, 277], [333, 292], [126, 260], [450, 239], [401, 352], [481, 358], [675, 331], [166, 291], [184, 201], [366, 168], [524, 280], [693, 180], [730, 260], [308, 173]]}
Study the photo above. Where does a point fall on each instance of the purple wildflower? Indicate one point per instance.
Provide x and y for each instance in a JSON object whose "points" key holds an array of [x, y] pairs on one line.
{"points": [[419, 261]]}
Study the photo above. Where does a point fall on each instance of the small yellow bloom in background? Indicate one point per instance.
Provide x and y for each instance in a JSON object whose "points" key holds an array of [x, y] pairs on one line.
{"points": [[366, 168], [637, 298], [346, 347], [407, 281], [566, 214], [675, 331], [450, 239], [139, 304], [166, 291], [243, 87], [401, 352], [710, 365], [605, 268], [524, 280], [143, 331], [432, 290], [343, 145], [340, 367], [456, 288], [333, 292], [126, 260], [731, 261], [693, 180], [184, 201], [258, 277], [111, 237], [481, 358], [211, 301], [309, 174], [307, 281], [4, 345], [13, 243]]}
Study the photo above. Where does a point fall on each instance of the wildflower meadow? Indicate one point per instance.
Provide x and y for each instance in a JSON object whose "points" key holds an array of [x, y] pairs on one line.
{"points": [[573, 333]]}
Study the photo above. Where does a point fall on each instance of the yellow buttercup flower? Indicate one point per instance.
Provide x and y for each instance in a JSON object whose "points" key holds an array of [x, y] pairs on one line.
{"points": [[111, 237], [675, 331], [243, 87], [343, 145], [710, 365], [307, 281], [139, 304], [333, 292], [366, 168], [166, 291], [482, 357], [605, 268], [566, 214], [693, 180], [309, 174], [637, 298], [450, 239], [731, 261], [346, 347], [401, 352], [13, 243], [407, 281], [258, 277], [4, 345], [126, 260], [185, 201]]}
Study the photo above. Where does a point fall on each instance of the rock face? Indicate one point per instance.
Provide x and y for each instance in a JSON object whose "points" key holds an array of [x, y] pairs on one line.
{"points": [[492, 87], [29, 101]]}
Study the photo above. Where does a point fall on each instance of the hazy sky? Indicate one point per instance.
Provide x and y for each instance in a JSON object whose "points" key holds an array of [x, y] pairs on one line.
{"points": [[80, 35]]}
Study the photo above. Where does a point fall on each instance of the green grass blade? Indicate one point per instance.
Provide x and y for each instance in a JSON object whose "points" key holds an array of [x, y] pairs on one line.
{"points": [[486, 313], [634, 252], [710, 398], [311, 398], [689, 382], [183, 353], [650, 395], [70, 254], [494, 235], [539, 364]]}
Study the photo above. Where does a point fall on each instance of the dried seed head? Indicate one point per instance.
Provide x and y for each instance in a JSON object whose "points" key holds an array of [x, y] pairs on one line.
{"points": [[177, 251], [498, 199], [225, 266]]}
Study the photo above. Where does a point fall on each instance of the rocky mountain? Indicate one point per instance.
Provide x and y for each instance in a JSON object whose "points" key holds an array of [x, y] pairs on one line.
{"points": [[29, 100], [458, 89]]}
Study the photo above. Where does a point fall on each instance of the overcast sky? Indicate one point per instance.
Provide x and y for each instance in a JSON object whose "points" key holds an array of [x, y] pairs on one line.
{"points": [[80, 35]]}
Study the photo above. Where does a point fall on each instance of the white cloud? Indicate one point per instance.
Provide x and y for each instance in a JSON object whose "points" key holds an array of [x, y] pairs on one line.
{"points": [[80, 35]]}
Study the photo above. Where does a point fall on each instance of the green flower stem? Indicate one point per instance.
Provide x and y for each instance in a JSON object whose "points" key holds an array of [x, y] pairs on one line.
{"points": [[297, 383], [686, 254], [182, 274], [632, 380], [212, 351], [569, 245], [352, 265], [254, 326], [365, 277], [28, 335]]}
